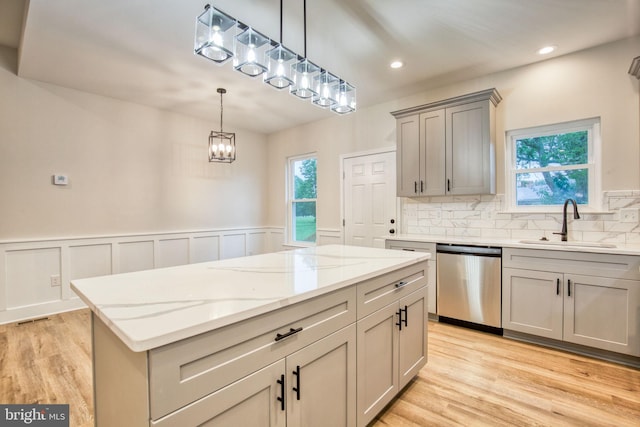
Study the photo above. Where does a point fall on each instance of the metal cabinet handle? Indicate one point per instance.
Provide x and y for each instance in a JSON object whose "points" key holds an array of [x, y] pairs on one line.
{"points": [[568, 287], [448, 185], [288, 334], [415, 187], [558, 286], [401, 284], [399, 313], [406, 315], [421, 186], [281, 398], [297, 387]]}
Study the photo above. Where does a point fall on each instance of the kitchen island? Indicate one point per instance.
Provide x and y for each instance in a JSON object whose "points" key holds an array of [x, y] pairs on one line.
{"points": [[268, 339]]}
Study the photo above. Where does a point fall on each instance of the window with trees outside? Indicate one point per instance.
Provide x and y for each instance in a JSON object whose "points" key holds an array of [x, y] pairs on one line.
{"points": [[302, 199], [549, 164]]}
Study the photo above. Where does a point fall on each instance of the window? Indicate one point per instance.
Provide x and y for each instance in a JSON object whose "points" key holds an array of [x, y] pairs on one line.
{"points": [[302, 199], [548, 164]]}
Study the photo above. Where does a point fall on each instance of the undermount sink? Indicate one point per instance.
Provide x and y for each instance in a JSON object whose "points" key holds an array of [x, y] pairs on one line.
{"points": [[573, 244]]}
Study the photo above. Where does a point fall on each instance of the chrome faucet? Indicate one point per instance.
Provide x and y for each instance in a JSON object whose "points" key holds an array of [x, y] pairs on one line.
{"points": [[576, 215]]}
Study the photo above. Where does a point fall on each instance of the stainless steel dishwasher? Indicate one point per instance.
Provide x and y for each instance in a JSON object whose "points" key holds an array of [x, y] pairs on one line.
{"points": [[469, 286]]}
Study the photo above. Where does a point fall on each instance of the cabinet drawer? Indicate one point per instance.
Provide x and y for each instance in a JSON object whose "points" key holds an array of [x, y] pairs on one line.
{"points": [[586, 263], [383, 290], [187, 370]]}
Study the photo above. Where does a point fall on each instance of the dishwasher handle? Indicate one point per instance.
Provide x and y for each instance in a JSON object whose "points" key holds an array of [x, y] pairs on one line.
{"points": [[469, 250]]}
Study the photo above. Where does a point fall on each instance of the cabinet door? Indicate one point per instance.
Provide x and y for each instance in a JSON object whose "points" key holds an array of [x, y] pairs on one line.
{"points": [[412, 342], [321, 382], [469, 149], [532, 302], [408, 156], [251, 401], [602, 313], [377, 362], [432, 153]]}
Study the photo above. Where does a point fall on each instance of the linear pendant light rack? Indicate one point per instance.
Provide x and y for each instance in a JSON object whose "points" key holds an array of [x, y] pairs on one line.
{"points": [[220, 37]]}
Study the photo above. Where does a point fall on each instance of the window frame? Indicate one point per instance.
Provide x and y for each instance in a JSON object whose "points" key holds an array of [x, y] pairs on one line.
{"points": [[290, 171], [594, 147]]}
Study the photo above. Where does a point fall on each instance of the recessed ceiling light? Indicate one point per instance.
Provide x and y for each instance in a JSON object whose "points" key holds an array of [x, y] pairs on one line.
{"points": [[546, 50], [396, 64]]}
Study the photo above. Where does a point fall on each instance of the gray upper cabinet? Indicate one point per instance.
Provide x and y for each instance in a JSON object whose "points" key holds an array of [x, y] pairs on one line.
{"points": [[447, 147]]}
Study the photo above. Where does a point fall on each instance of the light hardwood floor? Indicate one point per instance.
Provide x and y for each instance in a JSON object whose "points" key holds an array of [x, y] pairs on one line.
{"points": [[472, 379]]}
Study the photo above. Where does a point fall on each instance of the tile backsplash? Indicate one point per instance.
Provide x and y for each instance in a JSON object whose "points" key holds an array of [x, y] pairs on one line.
{"points": [[485, 216]]}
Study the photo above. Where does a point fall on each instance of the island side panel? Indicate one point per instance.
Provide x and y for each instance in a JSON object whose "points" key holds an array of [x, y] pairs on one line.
{"points": [[120, 380]]}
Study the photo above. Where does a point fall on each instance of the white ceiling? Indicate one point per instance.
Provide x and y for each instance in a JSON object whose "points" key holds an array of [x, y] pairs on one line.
{"points": [[142, 50]]}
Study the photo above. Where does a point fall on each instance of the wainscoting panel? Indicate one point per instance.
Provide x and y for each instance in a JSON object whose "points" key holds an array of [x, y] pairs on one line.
{"points": [[173, 252], [135, 256], [205, 248], [28, 276], [90, 261], [234, 245], [26, 267]]}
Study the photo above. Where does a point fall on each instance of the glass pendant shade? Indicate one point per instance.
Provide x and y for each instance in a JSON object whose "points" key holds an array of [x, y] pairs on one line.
{"points": [[346, 98], [215, 34], [326, 89], [222, 146], [250, 49], [304, 73], [279, 60]]}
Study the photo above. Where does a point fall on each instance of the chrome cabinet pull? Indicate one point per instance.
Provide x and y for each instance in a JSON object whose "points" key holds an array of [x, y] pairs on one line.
{"points": [[401, 284]]}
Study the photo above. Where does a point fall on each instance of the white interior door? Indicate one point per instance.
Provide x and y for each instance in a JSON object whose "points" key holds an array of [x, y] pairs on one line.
{"points": [[369, 189]]}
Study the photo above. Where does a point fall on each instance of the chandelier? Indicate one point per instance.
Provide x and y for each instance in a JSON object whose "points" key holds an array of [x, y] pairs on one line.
{"points": [[222, 145], [220, 38]]}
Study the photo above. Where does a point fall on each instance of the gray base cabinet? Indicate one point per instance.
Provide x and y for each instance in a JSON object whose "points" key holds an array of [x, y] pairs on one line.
{"points": [[430, 248], [244, 374], [580, 298], [392, 347]]}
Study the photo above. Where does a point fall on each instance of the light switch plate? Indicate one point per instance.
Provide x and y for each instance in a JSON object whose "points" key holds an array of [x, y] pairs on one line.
{"points": [[60, 180]]}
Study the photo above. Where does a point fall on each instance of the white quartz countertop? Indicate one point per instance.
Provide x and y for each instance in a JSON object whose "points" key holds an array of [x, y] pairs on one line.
{"points": [[571, 246], [151, 308]]}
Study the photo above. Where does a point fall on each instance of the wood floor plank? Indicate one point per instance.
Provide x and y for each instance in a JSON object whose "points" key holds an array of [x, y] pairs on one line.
{"points": [[471, 379]]}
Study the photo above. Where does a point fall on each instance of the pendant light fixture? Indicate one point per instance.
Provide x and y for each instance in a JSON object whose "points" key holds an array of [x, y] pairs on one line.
{"points": [[346, 98], [250, 48], [305, 73], [220, 37], [215, 35], [279, 61], [222, 145]]}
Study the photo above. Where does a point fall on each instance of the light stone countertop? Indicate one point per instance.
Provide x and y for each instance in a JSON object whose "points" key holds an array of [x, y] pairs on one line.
{"points": [[571, 246], [151, 308]]}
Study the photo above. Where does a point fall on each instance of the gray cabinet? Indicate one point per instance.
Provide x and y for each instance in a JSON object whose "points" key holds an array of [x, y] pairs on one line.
{"points": [[580, 298], [314, 386], [391, 338], [294, 366], [447, 147], [427, 247]]}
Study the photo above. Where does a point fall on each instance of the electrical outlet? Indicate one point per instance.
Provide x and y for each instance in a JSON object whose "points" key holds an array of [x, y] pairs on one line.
{"points": [[629, 215], [55, 280]]}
